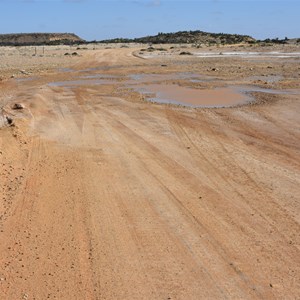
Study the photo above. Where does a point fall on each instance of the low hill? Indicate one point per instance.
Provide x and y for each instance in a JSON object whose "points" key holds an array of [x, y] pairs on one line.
{"points": [[188, 37], [24, 39]]}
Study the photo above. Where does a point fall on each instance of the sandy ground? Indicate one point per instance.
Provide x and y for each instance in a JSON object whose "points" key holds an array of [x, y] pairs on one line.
{"points": [[107, 196]]}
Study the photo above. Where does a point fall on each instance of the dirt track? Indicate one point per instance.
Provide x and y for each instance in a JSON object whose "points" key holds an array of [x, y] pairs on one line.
{"points": [[105, 196]]}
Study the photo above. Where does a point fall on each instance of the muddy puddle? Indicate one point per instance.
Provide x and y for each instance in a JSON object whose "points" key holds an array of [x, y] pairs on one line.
{"points": [[159, 88], [179, 95], [79, 82], [268, 78], [133, 79], [25, 79], [228, 54], [101, 76], [148, 78], [218, 97], [248, 54], [65, 70]]}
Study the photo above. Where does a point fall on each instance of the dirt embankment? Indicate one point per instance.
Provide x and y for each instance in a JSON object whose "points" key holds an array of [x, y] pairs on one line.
{"points": [[25, 39], [105, 196]]}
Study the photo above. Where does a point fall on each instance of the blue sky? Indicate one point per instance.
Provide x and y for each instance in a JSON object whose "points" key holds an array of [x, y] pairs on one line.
{"points": [[101, 19]]}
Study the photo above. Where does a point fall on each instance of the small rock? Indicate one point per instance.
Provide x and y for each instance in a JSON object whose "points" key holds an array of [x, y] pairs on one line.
{"points": [[18, 106], [9, 120], [24, 72], [185, 53]]}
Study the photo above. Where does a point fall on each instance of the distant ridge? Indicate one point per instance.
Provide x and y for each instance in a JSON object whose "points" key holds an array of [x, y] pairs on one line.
{"points": [[26, 39], [188, 37]]}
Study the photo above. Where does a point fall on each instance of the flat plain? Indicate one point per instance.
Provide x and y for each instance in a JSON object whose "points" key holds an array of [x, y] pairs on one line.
{"points": [[108, 193]]}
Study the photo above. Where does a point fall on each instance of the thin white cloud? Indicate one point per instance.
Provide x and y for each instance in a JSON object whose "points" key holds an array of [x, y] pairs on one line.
{"points": [[73, 1], [152, 3], [155, 3]]}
